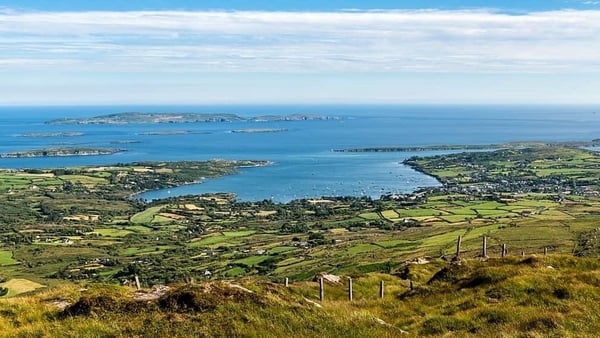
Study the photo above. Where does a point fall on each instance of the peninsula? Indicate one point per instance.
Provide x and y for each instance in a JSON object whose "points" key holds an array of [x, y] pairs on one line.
{"points": [[468, 147], [60, 152]]}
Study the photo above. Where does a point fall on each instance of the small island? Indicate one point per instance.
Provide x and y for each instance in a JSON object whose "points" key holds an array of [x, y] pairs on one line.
{"points": [[125, 142], [165, 132], [294, 117], [258, 130], [56, 134], [61, 152], [158, 118]]}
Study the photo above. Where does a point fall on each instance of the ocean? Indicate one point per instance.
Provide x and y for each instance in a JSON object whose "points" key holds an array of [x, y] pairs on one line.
{"points": [[304, 163]]}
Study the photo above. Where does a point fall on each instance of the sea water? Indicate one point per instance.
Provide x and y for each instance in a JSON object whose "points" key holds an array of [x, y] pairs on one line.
{"points": [[304, 163]]}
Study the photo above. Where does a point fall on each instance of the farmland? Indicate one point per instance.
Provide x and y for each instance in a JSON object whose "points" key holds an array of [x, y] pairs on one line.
{"points": [[76, 240], [81, 224]]}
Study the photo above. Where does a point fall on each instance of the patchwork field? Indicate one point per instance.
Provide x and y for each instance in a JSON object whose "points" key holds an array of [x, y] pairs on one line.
{"points": [[48, 232]]}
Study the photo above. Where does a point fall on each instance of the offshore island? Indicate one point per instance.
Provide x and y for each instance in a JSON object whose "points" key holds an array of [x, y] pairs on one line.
{"points": [[56, 134], [154, 118], [61, 152]]}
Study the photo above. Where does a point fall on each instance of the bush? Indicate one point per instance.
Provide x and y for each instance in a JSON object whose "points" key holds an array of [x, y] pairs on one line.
{"points": [[441, 324], [191, 298]]}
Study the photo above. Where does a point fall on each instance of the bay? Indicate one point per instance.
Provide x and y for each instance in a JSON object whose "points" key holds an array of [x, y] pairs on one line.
{"points": [[304, 165]]}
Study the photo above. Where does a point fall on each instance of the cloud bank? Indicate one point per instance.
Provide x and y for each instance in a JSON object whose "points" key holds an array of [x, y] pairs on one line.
{"points": [[301, 42]]}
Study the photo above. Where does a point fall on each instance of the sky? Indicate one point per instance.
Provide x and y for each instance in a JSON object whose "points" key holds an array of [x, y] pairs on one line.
{"points": [[290, 52]]}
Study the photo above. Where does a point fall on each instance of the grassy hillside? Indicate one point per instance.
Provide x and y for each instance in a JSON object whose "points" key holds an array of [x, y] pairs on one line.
{"points": [[534, 296]]}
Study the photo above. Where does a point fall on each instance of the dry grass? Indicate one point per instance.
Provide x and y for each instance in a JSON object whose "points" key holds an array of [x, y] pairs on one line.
{"points": [[551, 296], [18, 286]]}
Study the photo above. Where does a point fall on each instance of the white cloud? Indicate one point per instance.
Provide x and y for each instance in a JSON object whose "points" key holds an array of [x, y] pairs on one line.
{"points": [[385, 41]]}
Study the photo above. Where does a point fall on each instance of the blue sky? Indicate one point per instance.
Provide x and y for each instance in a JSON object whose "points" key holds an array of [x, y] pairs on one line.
{"points": [[304, 5], [231, 52]]}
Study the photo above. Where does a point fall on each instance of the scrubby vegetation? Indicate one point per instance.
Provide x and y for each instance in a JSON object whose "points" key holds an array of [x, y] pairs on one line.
{"points": [[534, 296]]}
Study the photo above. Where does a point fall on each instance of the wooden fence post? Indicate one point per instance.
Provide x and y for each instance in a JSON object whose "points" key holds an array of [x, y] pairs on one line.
{"points": [[522, 253], [381, 289], [484, 247], [350, 288], [458, 246], [287, 282], [321, 290], [137, 282], [545, 250], [503, 250]]}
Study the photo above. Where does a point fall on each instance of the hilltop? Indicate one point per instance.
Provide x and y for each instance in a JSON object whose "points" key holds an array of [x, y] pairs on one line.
{"points": [[533, 296]]}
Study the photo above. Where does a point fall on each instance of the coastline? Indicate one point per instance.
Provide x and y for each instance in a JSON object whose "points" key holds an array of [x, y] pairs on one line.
{"points": [[61, 152], [136, 195]]}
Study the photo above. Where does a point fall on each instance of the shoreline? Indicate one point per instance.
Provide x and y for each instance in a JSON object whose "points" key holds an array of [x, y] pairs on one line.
{"points": [[135, 196], [62, 152], [467, 147]]}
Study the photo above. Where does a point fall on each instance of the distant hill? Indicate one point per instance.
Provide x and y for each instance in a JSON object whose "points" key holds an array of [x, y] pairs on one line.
{"points": [[141, 117]]}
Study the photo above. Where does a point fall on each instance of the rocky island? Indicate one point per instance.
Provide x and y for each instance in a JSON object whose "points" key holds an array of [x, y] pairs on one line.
{"points": [[155, 118]]}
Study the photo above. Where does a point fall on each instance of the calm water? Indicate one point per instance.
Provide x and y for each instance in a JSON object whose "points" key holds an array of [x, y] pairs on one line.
{"points": [[304, 165]]}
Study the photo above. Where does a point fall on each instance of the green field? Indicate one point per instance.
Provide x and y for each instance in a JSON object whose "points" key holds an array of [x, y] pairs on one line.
{"points": [[370, 216], [420, 212], [220, 238], [252, 260], [133, 251], [111, 232], [6, 258], [84, 179], [18, 286], [146, 216], [281, 249], [393, 243], [390, 214], [361, 248]]}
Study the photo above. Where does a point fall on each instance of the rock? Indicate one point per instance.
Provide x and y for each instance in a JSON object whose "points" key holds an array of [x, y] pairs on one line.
{"points": [[420, 261], [235, 286], [329, 278], [313, 302], [156, 292]]}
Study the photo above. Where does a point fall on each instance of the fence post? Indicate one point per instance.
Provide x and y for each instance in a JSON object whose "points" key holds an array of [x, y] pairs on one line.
{"points": [[484, 247], [287, 282], [350, 288], [412, 287], [381, 289], [321, 290], [522, 253], [545, 250], [458, 246], [137, 282], [503, 250]]}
